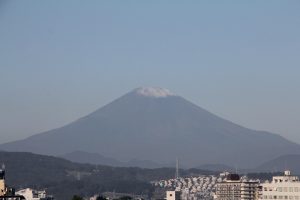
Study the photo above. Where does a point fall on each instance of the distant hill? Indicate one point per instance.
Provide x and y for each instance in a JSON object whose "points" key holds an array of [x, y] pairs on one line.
{"points": [[155, 125], [217, 167], [64, 178], [95, 158], [286, 162], [91, 158]]}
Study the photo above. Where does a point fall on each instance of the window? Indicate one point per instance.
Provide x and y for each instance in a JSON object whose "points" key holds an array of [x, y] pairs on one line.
{"points": [[285, 189], [280, 197], [296, 197], [291, 189], [279, 189], [296, 189], [291, 197]]}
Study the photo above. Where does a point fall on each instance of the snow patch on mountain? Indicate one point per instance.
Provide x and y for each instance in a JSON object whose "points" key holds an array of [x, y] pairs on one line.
{"points": [[156, 92]]}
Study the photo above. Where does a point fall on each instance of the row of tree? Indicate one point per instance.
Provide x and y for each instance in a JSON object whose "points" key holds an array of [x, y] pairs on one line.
{"points": [[77, 197]]}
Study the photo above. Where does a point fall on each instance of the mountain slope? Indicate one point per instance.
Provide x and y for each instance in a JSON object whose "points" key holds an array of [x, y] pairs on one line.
{"points": [[153, 124], [95, 158], [91, 158], [285, 162], [217, 167]]}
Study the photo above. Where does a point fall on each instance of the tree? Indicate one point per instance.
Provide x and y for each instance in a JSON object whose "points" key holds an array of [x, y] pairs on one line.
{"points": [[76, 197], [125, 198], [100, 198]]}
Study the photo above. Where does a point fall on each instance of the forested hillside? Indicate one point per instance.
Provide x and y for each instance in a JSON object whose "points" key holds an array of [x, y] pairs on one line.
{"points": [[63, 178]]}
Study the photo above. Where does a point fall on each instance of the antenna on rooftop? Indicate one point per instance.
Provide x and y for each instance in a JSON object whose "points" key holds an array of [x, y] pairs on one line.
{"points": [[285, 165], [177, 169], [236, 169]]}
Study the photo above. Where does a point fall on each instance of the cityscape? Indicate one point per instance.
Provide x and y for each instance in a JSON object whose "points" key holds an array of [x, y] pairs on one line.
{"points": [[149, 100], [224, 186]]}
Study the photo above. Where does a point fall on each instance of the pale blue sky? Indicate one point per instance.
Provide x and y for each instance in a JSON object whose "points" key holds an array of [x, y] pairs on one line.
{"points": [[60, 60]]}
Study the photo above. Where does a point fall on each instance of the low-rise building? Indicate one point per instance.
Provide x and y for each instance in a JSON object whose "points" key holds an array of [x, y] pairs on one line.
{"points": [[2, 182], [7, 193], [286, 187], [31, 194], [173, 195]]}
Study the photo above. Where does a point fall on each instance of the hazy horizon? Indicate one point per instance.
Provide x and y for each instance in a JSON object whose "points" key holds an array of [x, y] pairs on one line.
{"points": [[60, 61]]}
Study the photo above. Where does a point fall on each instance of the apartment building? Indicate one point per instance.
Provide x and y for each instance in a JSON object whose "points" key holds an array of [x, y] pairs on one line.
{"points": [[235, 188], [286, 187]]}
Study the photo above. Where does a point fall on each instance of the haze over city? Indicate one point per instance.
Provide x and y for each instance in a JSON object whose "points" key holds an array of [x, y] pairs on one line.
{"points": [[61, 60]]}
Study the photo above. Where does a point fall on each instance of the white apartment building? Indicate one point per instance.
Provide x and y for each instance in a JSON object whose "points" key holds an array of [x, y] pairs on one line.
{"points": [[31, 194], [234, 188], [285, 187]]}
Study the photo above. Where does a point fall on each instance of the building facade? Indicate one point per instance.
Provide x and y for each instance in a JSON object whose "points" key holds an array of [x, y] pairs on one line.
{"points": [[7, 193], [233, 188], [31, 194], [173, 195], [286, 187], [2, 182]]}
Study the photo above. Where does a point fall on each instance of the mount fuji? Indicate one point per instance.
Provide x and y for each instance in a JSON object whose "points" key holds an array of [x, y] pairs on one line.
{"points": [[155, 124]]}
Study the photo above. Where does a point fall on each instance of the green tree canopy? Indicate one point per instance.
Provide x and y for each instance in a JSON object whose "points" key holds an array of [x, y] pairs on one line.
{"points": [[76, 197], [100, 198], [125, 198]]}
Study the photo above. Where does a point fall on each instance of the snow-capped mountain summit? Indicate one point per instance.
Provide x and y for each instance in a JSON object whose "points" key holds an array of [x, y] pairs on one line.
{"points": [[154, 92], [159, 129]]}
